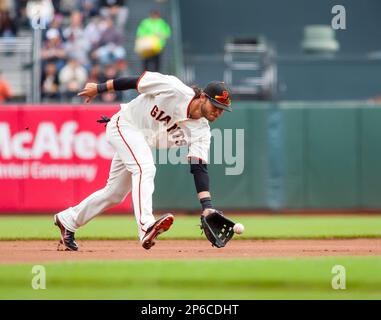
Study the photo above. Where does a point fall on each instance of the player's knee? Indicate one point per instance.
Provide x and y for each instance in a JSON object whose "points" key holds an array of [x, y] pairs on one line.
{"points": [[116, 196], [145, 169]]}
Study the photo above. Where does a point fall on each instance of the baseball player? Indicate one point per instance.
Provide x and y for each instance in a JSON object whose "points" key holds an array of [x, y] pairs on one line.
{"points": [[165, 107]]}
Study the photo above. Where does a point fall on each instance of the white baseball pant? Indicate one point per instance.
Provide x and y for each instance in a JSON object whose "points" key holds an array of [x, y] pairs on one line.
{"points": [[132, 169]]}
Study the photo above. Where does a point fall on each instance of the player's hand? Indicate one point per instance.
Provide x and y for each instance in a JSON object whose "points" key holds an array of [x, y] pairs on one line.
{"points": [[89, 92], [207, 211]]}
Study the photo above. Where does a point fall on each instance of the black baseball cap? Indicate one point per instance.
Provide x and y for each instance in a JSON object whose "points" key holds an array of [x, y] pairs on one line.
{"points": [[219, 95]]}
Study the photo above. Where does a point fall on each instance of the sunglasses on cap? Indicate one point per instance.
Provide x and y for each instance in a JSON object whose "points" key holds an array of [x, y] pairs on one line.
{"points": [[224, 99]]}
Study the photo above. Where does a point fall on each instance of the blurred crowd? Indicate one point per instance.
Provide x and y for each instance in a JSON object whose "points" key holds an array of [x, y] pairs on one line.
{"points": [[82, 41]]}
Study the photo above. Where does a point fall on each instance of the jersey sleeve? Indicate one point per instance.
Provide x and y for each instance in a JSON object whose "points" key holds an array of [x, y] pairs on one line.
{"points": [[154, 83], [199, 146]]}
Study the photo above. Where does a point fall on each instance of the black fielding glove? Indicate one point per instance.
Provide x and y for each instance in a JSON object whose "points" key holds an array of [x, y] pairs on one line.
{"points": [[217, 228]]}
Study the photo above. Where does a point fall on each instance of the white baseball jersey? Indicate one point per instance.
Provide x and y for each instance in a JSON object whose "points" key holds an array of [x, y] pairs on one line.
{"points": [[158, 117], [161, 112]]}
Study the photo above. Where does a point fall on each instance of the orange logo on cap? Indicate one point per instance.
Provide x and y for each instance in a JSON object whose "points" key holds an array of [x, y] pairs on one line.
{"points": [[224, 96]]}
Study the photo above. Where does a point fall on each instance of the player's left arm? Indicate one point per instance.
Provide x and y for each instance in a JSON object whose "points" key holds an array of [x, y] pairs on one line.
{"points": [[91, 89], [199, 145], [199, 169]]}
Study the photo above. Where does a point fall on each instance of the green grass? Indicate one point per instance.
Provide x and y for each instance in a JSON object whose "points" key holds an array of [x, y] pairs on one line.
{"points": [[186, 227], [297, 278], [281, 278]]}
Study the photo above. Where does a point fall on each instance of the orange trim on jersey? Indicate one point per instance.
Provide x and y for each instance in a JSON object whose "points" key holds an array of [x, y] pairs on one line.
{"points": [[140, 177], [140, 78], [189, 104], [198, 159]]}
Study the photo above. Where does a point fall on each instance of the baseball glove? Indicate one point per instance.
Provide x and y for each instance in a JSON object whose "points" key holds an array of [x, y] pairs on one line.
{"points": [[217, 228]]}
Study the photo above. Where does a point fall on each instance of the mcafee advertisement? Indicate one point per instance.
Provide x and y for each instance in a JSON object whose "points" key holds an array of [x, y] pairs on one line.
{"points": [[53, 156]]}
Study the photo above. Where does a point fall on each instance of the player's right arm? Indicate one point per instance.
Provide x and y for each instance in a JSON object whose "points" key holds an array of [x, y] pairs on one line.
{"points": [[92, 89]]}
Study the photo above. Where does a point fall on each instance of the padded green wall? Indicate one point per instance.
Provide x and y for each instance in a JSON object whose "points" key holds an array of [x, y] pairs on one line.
{"points": [[370, 162], [297, 155]]}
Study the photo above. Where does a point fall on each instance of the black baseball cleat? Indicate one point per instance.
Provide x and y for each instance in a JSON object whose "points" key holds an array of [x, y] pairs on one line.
{"points": [[67, 237], [161, 225]]}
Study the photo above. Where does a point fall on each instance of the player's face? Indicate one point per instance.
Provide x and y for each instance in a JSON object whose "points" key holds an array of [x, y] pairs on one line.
{"points": [[209, 111]]}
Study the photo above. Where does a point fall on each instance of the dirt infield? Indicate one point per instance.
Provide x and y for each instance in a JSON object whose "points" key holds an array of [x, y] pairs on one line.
{"points": [[45, 251]]}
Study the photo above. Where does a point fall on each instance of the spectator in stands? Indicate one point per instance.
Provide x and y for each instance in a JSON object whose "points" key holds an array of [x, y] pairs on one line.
{"points": [[94, 30], [5, 89], [95, 73], [56, 24], [78, 47], [53, 49], [57, 6], [121, 66], [21, 16], [72, 78], [67, 6], [153, 32], [89, 9], [117, 10], [8, 28], [50, 83], [75, 27], [8, 5], [95, 76], [110, 46], [110, 72], [10, 8]]}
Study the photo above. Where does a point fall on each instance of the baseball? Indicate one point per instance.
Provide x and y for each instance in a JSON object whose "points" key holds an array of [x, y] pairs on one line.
{"points": [[238, 228]]}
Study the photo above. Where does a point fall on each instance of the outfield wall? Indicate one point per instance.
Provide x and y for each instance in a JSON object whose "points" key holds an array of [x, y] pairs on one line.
{"points": [[296, 155]]}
